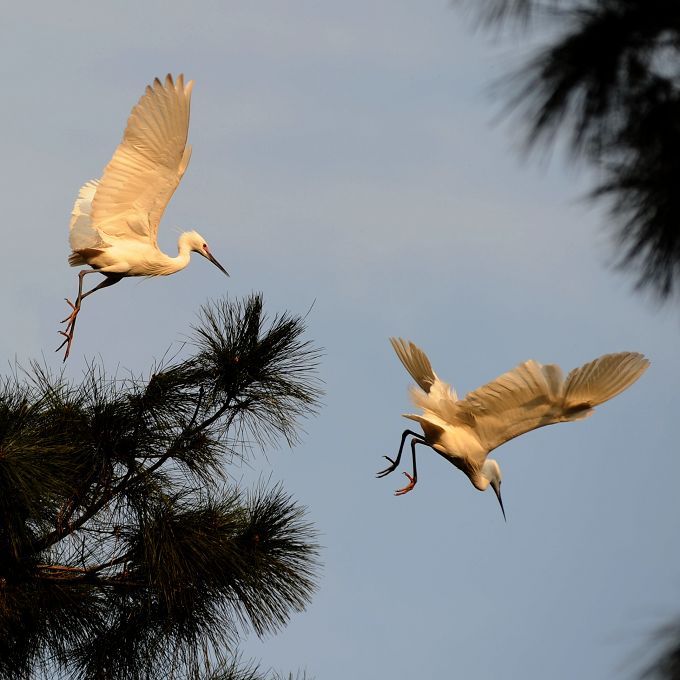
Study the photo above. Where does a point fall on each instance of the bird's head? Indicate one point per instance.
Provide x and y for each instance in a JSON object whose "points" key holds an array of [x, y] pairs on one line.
{"points": [[198, 244], [491, 471]]}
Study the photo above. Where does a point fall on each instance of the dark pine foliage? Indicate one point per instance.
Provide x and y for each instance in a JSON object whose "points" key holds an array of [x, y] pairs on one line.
{"points": [[124, 552], [492, 12], [611, 81], [666, 665]]}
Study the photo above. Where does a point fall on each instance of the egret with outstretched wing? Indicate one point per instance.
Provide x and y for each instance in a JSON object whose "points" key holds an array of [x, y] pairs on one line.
{"points": [[114, 222], [465, 431]]}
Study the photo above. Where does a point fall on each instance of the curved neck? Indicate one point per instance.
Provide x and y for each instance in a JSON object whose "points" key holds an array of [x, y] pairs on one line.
{"points": [[480, 481], [164, 265], [183, 254], [488, 474], [183, 247]]}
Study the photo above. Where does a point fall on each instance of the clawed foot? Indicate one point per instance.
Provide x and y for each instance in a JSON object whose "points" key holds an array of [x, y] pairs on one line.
{"points": [[72, 316], [70, 322], [408, 487], [389, 469], [68, 339]]}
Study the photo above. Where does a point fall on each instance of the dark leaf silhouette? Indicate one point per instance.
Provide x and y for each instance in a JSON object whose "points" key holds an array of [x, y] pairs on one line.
{"points": [[124, 551], [610, 83]]}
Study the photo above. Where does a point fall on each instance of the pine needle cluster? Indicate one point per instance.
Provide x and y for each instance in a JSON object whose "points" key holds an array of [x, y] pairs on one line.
{"points": [[609, 80], [661, 655], [124, 551]]}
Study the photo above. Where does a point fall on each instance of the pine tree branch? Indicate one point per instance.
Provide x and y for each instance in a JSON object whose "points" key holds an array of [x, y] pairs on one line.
{"points": [[128, 480], [215, 417], [120, 580], [60, 533], [61, 567], [118, 563], [86, 570], [608, 84]]}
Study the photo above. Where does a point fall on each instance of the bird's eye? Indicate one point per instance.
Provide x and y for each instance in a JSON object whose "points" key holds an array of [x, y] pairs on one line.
{"points": [[205, 246]]}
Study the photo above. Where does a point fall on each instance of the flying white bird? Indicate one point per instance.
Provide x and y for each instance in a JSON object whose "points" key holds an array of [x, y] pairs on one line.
{"points": [[529, 396], [114, 222]]}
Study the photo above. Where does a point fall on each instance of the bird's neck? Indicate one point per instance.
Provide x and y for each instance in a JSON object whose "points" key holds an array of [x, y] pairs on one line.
{"points": [[487, 473], [479, 481], [466, 465], [164, 265], [183, 256]]}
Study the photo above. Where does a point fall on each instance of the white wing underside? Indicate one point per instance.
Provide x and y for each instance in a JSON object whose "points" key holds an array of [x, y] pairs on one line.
{"points": [[81, 233], [527, 397], [129, 200], [415, 361]]}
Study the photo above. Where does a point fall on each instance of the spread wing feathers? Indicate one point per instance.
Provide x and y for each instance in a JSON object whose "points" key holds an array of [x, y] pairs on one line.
{"points": [[81, 233], [602, 379], [148, 164], [533, 395], [418, 365], [527, 397]]}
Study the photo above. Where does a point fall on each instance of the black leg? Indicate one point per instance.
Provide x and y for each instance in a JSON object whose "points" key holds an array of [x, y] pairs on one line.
{"points": [[395, 462], [70, 320], [108, 281], [411, 480]]}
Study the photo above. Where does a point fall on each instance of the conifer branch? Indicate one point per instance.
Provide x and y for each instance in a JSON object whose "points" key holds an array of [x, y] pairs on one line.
{"points": [[123, 553]]}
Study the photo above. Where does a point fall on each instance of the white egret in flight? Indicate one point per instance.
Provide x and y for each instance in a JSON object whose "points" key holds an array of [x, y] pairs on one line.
{"points": [[529, 396], [114, 222]]}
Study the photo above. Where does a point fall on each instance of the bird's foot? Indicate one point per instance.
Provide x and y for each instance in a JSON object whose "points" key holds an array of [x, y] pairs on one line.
{"points": [[70, 322], [387, 470], [68, 339], [408, 487], [71, 305], [71, 317]]}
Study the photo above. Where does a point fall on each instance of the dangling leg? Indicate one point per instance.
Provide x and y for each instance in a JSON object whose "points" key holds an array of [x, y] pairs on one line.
{"points": [[395, 462], [75, 308], [71, 319], [411, 480]]}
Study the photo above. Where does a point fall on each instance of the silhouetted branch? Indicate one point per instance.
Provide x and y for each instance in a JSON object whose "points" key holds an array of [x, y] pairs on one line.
{"points": [[114, 562], [666, 666], [610, 84]]}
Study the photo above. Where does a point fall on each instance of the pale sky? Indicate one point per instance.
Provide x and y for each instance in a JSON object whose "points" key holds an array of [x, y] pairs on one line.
{"points": [[344, 155]]}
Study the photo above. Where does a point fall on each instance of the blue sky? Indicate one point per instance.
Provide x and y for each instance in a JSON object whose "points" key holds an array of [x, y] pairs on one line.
{"points": [[344, 155]]}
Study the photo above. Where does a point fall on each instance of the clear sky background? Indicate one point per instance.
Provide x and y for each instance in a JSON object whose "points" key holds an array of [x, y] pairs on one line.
{"points": [[344, 154]]}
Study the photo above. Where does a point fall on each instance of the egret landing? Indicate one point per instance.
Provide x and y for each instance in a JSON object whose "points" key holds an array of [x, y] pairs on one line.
{"points": [[114, 223], [529, 396]]}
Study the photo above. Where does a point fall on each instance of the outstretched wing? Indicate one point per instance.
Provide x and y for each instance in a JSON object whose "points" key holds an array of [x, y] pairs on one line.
{"points": [[415, 362], [81, 233], [602, 379], [533, 395], [148, 164], [437, 397]]}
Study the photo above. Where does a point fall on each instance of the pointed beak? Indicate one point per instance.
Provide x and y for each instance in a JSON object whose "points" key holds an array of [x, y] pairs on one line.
{"points": [[209, 255], [500, 500]]}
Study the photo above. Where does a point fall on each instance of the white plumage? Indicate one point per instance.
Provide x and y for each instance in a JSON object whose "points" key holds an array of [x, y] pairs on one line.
{"points": [[529, 396], [114, 223]]}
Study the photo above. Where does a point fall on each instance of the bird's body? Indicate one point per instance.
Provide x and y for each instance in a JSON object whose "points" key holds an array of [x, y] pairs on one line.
{"points": [[114, 222], [122, 254], [532, 395]]}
